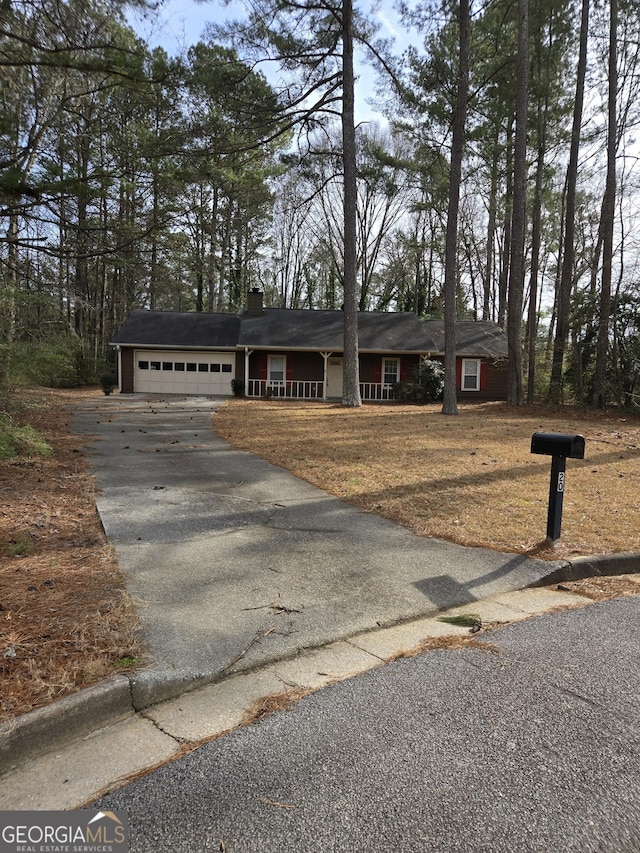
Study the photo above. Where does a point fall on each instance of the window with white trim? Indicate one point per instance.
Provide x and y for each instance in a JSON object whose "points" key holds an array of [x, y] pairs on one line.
{"points": [[277, 369], [390, 370], [470, 374]]}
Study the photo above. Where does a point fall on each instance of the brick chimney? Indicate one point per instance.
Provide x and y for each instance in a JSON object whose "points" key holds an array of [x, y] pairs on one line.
{"points": [[254, 303]]}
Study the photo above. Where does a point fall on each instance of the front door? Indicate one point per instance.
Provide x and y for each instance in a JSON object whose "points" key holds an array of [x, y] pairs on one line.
{"points": [[334, 378]]}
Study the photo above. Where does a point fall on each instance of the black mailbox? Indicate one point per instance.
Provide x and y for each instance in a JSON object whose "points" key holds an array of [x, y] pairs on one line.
{"points": [[558, 444], [560, 447]]}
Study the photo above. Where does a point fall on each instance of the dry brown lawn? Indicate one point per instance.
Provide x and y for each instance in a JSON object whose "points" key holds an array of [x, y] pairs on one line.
{"points": [[469, 478]]}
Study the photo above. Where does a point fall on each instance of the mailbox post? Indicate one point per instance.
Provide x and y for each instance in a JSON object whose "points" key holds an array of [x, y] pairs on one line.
{"points": [[560, 447]]}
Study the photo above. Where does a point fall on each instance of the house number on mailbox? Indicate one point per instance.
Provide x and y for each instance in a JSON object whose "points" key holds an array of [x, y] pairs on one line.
{"points": [[561, 481]]}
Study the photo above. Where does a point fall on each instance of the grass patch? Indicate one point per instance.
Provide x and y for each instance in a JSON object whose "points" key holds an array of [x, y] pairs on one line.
{"points": [[21, 440], [465, 620], [21, 547], [127, 662]]}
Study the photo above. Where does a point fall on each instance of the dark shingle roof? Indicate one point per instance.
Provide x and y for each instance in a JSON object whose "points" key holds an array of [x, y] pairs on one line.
{"points": [[473, 338], [292, 329], [324, 330], [184, 330]]}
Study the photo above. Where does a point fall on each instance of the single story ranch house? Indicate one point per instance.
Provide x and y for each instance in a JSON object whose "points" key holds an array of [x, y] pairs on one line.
{"points": [[297, 354]]}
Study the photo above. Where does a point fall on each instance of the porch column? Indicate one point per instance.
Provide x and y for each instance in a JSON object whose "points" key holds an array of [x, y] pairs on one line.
{"points": [[247, 353], [119, 357], [326, 356]]}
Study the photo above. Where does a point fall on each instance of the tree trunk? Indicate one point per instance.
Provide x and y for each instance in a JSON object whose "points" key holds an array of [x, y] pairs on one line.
{"points": [[450, 405], [81, 279], [8, 301], [532, 321], [213, 249], [153, 272], [508, 216], [351, 378], [491, 234], [608, 211], [518, 224], [566, 280]]}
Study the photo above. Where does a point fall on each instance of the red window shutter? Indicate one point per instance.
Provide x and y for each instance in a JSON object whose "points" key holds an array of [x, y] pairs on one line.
{"points": [[459, 373], [289, 363], [263, 366], [378, 373], [404, 370], [484, 371]]}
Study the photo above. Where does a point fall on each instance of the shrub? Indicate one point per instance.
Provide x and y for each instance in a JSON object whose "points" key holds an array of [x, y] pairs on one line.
{"points": [[237, 387], [55, 364], [108, 382], [429, 376], [425, 385], [42, 364]]}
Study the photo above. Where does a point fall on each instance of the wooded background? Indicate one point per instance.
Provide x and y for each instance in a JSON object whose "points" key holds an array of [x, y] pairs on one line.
{"points": [[130, 178]]}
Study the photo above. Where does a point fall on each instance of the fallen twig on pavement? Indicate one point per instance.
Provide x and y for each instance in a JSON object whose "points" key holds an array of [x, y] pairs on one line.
{"points": [[257, 637]]}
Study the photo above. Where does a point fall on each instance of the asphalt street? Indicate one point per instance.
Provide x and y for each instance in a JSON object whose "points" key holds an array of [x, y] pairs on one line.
{"points": [[529, 742]]}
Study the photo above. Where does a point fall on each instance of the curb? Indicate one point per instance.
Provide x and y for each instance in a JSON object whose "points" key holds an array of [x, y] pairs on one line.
{"points": [[592, 567], [50, 728], [53, 726]]}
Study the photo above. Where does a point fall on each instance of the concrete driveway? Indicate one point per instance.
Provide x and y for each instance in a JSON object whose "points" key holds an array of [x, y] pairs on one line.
{"points": [[235, 562]]}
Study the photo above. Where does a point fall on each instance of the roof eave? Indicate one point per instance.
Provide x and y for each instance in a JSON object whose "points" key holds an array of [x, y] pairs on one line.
{"points": [[139, 345]]}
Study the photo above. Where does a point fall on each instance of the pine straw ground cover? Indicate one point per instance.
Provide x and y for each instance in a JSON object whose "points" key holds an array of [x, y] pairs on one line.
{"points": [[66, 620]]}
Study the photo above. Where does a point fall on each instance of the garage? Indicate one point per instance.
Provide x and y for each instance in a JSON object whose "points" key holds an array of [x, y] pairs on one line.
{"points": [[183, 372]]}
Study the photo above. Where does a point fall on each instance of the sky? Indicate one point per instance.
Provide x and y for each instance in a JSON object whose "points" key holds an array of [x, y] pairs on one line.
{"points": [[180, 23]]}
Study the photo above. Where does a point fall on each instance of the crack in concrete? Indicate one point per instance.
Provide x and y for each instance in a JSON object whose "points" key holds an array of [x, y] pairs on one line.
{"points": [[179, 741]]}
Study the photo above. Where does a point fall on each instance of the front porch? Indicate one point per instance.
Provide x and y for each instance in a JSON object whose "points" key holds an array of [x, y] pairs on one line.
{"points": [[319, 375]]}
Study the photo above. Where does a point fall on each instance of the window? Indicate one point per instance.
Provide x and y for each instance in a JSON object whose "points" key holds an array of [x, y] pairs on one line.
{"points": [[155, 365], [390, 370], [470, 374], [276, 369], [167, 365], [203, 368], [191, 367], [226, 368], [143, 365], [215, 368], [179, 365]]}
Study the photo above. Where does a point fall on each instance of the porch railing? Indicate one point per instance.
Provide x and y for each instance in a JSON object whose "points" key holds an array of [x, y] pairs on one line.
{"points": [[376, 391], [312, 390], [290, 390]]}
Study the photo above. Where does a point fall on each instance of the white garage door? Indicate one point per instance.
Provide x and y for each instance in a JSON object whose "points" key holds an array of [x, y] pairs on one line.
{"points": [[174, 372]]}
